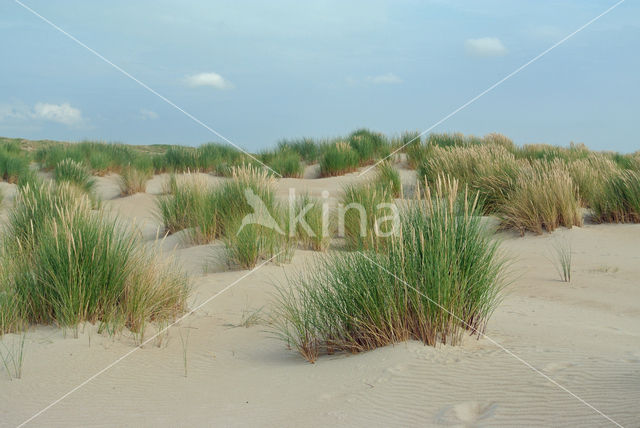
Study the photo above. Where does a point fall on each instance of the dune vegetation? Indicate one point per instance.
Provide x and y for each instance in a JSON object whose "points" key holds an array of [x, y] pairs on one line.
{"points": [[439, 277], [75, 173], [210, 212], [65, 263], [536, 188], [362, 214], [338, 159], [387, 177], [134, 180], [14, 163], [321, 225]]}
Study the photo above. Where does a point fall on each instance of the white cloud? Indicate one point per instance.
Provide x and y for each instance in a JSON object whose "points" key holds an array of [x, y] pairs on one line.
{"points": [[14, 112], [384, 79], [208, 79], [60, 113], [148, 114], [485, 47]]}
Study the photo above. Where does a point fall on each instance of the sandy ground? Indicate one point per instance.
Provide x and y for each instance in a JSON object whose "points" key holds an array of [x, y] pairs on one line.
{"points": [[584, 335]]}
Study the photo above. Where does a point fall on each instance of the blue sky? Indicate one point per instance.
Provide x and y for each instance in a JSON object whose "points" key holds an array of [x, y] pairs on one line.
{"points": [[259, 71]]}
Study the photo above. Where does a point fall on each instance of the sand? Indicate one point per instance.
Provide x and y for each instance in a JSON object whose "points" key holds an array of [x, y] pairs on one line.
{"points": [[584, 335]]}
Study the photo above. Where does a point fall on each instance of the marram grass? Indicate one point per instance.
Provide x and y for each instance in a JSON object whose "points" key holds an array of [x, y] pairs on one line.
{"points": [[70, 171], [543, 197], [618, 199], [211, 212], [66, 264], [440, 277], [364, 216], [134, 180], [387, 177], [191, 203], [320, 224], [339, 158], [285, 162], [251, 243]]}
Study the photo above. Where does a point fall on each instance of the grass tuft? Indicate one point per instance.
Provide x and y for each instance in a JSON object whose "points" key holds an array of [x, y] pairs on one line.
{"points": [[285, 162], [66, 263], [191, 203], [441, 276], [134, 180], [318, 220], [618, 200], [70, 171], [388, 178], [338, 159], [363, 216], [562, 263]]}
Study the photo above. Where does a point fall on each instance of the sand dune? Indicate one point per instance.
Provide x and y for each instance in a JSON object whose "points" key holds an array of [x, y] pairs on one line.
{"points": [[584, 335]]}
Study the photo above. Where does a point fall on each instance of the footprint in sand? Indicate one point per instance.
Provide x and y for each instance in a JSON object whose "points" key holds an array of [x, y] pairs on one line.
{"points": [[468, 414]]}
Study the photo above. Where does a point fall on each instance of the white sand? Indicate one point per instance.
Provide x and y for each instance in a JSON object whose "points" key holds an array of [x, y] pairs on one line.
{"points": [[584, 335]]}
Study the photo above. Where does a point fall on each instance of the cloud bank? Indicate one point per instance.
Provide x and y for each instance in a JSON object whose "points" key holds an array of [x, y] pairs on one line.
{"points": [[211, 79], [485, 47], [60, 113], [63, 113]]}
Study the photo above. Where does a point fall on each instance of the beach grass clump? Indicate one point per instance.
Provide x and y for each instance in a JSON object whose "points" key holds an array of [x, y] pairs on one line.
{"points": [[497, 139], [248, 184], [405, 139], [366, 216], [369, 145], [232, 211], [192, 204], [542, 197], [66, 264], [287, 163], [629, 161], [317, 236], [218, 159], [590, 175], [487, 169], [456, 139], [338, 159], [13, 164], [181, 159], [247, 244], [51, 155], [254, 224], [134, 180], [388, 177], [441, 276], [12, 316], [618, 199], [306, 148], [549, 153], [134, 177], [70, 171], [417, 153], [100, 158]]}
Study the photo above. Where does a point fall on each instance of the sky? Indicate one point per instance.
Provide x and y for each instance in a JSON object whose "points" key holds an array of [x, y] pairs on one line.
{"points": [[256, 72]]}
